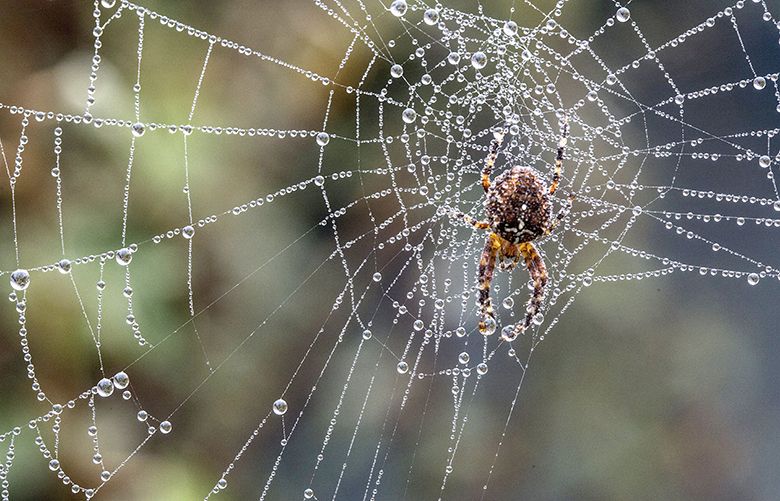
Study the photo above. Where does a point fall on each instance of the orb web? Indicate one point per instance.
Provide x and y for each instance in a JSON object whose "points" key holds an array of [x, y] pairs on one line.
{"points": [[339, 331]]}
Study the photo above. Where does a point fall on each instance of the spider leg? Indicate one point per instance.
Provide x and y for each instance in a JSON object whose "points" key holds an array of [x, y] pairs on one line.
{"points": [[562, 214], [538, 271], [487, 264], [559, 157], [490, 161]]}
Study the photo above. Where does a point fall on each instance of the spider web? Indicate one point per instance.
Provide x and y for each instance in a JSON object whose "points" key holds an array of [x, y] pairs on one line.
{"points": [[324, 340]]}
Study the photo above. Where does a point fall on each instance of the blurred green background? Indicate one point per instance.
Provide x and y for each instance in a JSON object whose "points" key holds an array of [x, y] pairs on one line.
{"points": [[654, 389]]}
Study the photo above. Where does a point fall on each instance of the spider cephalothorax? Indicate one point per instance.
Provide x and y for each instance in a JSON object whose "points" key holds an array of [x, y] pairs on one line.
{"points": [[519, 210]]}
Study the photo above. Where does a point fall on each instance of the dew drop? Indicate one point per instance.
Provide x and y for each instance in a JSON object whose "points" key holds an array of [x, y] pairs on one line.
{"points": [[479, 60], [623, 15], [409, 115], [64, 266], [188, 232], [20, 280], [121, 380], [138, 129], [508, 303], [105, 387], [319, 180], [764, 161], [482, 369], [759, 83], [490, 326], [377, 277], [753, 278], [323, 138], [398, 8], [402, 367], [431, 17], [280, 407], [396, 71], [510, 28], [464, 358], [54, 465], [508, 333], [124, 256], [165, 427], [308, 494], [367, 334]]}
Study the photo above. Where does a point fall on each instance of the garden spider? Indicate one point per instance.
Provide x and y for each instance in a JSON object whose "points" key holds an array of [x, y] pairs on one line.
{"points": [[519, 210]]}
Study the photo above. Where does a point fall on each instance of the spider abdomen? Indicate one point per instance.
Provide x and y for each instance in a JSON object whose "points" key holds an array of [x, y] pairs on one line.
{"points": [[518, 206]]}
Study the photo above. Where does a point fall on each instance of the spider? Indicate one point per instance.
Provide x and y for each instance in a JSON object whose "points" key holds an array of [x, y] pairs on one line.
{"points": [[518, 207]]}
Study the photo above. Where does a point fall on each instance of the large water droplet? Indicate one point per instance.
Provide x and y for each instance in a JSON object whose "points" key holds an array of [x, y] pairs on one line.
{"points": [[323, 138], [20, 280], [280, 407], [753, 278], [402, 367], [479, 60], [510, 28], [105, 387], [409, 115], [166, 427], [121, 380], [431, 17], [124, 256], [623, 15], [759, 83], [398, 8]]}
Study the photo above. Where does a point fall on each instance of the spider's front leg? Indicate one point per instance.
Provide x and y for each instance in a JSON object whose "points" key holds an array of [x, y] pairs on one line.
{"points": [[559, 157], [487, 265], [538, 271], [563, 214], [490, 161]]}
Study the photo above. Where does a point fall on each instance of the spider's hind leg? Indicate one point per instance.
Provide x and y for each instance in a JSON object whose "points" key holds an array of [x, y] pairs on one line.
{"points": [[487, 265], [538, 271]]}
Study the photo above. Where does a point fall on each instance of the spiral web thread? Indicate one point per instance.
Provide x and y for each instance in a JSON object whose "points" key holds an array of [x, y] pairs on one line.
{"points": [[402, 325]]}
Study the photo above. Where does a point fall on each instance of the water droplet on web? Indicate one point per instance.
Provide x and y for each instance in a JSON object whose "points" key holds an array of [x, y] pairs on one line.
{"points": [[431, 17], [20, 279], [510, 28], [753, 278], [464, 358], [319, 181], [418, 325], [592, 95], [165, 427], [124, 256], [776, 205], [280, 407], [396, 71], [121, 380], [54, 465], [409, 115], [623, 15], [508, 333], [105, 476], [482, 368], [398, 8], [764, 161], [402, 367], [508, 303], [479, 60], [138, 129], [759, 83], [105, 387], [453, 58], [323, 138], [64, 266], [188, 232], [142, 416], [490, 326], [308, 494], [107, 4], [587, 281], [377, 277], [538, 319], [367, 334]]}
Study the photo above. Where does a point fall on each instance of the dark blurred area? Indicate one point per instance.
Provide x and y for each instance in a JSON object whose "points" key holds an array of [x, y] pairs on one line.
{"points": [[662, 388]]}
